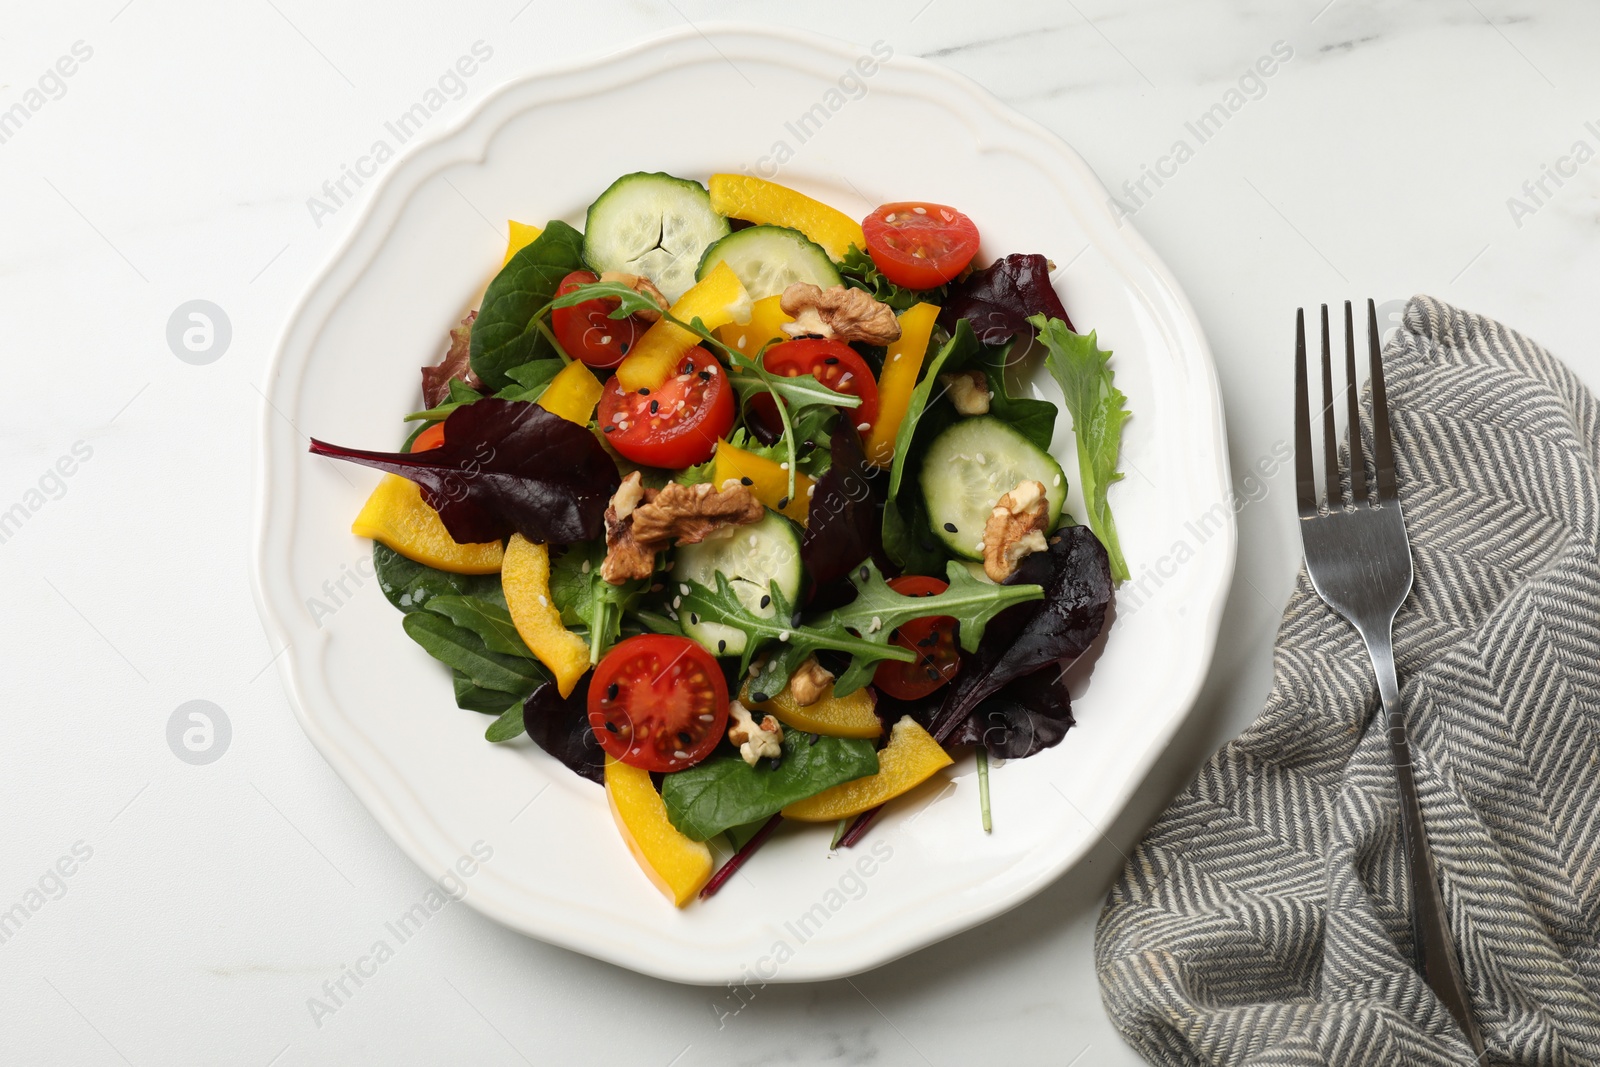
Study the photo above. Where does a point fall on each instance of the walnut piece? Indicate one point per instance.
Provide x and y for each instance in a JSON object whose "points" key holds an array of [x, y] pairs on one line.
{"points": [[641, 285], [641, 522], [756, 741], [809, 681], [839, 312], [968, 390], [1015, 529]]}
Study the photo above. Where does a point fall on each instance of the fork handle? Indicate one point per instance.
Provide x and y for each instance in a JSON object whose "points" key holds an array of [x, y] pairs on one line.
{"points": [[1436, 954]]}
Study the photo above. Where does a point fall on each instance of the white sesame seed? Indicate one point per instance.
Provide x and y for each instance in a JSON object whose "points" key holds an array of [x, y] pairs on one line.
{"points": [[783, 466], [708, 718], [739, 344], [811, 489], [683, 587], [863, 426], [586, 566], [889, 217], [946, 215], [784, 636], [544, 601], [677, 601], [875, 626], [1056, 480], [713, 368], [981, 458], [978, 546], [920, 210], [753, 541], [605, 339], [679, 753]]}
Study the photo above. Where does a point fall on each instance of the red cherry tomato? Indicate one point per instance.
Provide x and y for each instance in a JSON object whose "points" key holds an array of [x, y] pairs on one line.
{"points": [[920, 246], [676, 425], [588, 332], [432, 437], [933, 639], [834, 364], [658, 702]]}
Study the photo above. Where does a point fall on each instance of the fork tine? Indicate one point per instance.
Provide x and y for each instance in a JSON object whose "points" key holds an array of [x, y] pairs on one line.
{"points": [[1305, 482], [1358, 467], [1330, 439], [1382, 449]]}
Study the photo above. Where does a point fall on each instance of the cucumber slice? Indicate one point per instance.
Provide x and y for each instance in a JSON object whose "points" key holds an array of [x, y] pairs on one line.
{"points": [[655, 225], [752, 557], [769, 259], [970, 466]]}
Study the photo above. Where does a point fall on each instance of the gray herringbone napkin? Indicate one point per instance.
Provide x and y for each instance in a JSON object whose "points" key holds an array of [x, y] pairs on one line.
{"points": [[1264, 918]]}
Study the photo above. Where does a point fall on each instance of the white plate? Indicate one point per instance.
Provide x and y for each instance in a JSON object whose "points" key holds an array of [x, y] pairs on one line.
{"points": [[381, 710]]}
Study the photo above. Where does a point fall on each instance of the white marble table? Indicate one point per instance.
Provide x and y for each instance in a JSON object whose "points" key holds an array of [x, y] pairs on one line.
{"points": [[206, 905]]}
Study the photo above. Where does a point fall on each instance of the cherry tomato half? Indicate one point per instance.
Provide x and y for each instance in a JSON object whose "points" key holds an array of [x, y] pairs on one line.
{"points": [[430, 438], [834, 364], [933, 639], [658, 702], [588, 332], [676, 425], [920, 246]]}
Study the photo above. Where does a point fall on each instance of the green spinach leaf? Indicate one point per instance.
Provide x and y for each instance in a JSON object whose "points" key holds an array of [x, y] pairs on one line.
{"points": [[473, 697], [409, 585], [490, 621], [509, 331], [1084, 373], [507, 726], [459, 648], [725, 791], [1033, 418]]}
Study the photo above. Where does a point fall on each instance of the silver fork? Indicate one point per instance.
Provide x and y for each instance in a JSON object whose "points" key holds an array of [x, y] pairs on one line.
{"points": [[1359, 560]]}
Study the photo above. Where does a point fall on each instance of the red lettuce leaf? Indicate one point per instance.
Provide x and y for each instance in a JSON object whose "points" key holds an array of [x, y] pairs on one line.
{"points": [[842, 527], [998, 299], [506, 467], [1027, 715], [561, 727], [1076, 575], [456, 364]]}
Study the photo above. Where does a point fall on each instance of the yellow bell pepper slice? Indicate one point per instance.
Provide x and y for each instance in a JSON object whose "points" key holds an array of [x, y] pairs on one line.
{"points": [[572, 393], [851, 716], [522, 235], [766, 324], [396, 515], [740, 196], [716, 300], [674, 864], [901, 365], [525, 577], [911, 758], [769, 482]]}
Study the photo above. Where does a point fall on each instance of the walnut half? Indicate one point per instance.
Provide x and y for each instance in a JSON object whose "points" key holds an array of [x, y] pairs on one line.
{"points": [[641, 522], [1015, 529], [809, 681], [755, 740], [839, 312]]}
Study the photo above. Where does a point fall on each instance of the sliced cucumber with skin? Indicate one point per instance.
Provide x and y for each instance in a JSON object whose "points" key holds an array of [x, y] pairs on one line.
{"points": [[655, 225], [973, 464], [752, 557], [769, 259]]}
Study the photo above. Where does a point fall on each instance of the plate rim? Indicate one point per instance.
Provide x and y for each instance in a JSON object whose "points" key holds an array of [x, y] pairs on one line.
{"points": [[272, 532]]}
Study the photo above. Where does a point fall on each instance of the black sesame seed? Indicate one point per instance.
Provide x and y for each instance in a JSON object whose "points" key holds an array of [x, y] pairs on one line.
{"points": [[608, 429], [655, 406], [783, 502], [694, 619], [758, 698], [773, 762], [705, 376], [831, 360], [794, 620], [814, 739], [623, 348], [864, 573], [612, 727], [644, 392], [722, 645], [929, 641], [746, 481], [765, 601], [684, 739], [611, 691], [933, 675], [949, 527]]}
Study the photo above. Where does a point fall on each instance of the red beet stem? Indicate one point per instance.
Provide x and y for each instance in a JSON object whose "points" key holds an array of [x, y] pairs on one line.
{"points": [[729, 869], [858, 829]]}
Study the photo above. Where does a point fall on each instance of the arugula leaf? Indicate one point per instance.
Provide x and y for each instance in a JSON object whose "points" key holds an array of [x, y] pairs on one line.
{"points": [[457, 393], [860, 629], [509, 330], [588, 600], [460, 648], [490, 621], [725, 791], [1033, 418], [1083, 371], [409, 585], [860, 272]]}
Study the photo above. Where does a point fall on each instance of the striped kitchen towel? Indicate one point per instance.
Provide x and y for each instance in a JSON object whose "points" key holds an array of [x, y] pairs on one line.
{"points": [[1264, 919]]}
